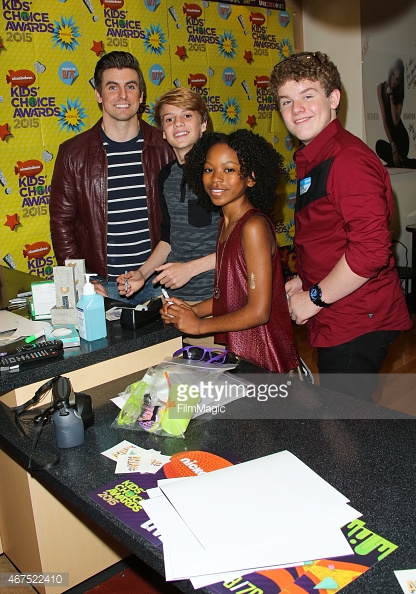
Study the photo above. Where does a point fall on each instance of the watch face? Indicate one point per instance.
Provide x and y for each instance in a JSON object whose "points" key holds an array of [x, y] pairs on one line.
{"points": [[314, 293]]}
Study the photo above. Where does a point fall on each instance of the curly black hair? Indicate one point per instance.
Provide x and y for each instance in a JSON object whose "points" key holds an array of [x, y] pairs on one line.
{"points": [[258, 160]]}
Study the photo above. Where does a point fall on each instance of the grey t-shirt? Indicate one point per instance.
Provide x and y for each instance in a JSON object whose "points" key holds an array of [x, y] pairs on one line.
{"points": [[188, 228]]}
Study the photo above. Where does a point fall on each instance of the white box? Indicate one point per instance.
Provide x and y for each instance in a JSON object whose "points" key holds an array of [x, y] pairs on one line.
{"points": [[64, 287], [60, 315], [79, 275], [43, 299]]}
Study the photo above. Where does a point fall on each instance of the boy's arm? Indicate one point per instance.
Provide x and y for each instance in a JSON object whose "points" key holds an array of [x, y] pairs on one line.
{"points": [[137, 278], [156, 258], [363, 197], [339, 283], [174, 275]]}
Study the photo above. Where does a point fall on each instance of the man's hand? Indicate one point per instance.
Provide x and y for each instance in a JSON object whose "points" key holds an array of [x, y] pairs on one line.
{"points": [[135, 281], [174, 275]]}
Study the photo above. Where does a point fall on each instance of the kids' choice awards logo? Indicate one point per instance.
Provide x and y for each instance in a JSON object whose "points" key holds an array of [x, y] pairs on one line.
{"points": [[25, 99], [197, 80], [262, 38], [119, 25], [257, 19], [199, 34], [33, 188], [20, 78], [193, 11], [38, 261], [262, 82], [265, 102], [39, 249], [22, 20], [30, 168], [112, 4]]}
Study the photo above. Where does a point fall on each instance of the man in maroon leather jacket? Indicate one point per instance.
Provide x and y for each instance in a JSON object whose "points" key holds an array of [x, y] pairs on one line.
{"points": [[78, 201]]}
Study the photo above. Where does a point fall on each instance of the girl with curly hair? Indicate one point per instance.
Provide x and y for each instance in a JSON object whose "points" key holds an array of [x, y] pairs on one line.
{"points": [[239, 174]]}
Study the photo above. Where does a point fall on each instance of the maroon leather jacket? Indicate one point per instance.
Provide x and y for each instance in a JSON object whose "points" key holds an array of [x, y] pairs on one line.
{"points": [[78, 198]]}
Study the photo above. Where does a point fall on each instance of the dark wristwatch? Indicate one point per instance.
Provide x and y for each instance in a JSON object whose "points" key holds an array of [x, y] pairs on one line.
{"points": [[315, 293]]}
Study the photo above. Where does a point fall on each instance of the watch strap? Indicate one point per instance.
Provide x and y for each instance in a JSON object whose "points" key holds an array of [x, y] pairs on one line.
{"points": [[315, 294]]}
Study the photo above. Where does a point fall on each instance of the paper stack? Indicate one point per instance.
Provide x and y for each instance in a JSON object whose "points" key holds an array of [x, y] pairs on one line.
{"points": [[266, 513]]}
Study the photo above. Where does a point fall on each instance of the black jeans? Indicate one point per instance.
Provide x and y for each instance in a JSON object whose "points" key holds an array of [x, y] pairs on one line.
{"points": [[352, 367]]}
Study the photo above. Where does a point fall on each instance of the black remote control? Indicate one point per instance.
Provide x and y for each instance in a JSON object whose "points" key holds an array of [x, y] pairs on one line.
{"points": [[32, 352]]}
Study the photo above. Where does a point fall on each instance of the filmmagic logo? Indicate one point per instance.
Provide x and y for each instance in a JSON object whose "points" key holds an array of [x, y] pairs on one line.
{"points": [[217, 392], [198, 409]]}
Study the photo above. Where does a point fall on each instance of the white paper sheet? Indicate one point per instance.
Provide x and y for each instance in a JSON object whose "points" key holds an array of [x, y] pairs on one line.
{"points": [[22, 327], [252, 501], [185, 557]]}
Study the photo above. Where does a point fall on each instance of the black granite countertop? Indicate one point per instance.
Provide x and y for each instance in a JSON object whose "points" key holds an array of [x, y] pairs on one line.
{"points": [[370, 458], [119, 341]]}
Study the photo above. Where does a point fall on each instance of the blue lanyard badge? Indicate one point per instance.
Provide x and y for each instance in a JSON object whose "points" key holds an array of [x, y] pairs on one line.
{"points": [[304, 185]]}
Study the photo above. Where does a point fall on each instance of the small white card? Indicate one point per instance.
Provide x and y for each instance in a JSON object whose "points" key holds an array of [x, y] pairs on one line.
{"points": [[118, 450], [407, 580], [133, 458], [136, 459], [140, 460]]}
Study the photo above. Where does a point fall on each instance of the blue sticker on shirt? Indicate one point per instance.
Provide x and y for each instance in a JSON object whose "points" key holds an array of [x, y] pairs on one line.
{"points": [[304, 185]]}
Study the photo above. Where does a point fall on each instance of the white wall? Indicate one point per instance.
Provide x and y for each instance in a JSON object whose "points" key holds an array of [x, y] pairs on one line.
{"points": [[336, 29]]}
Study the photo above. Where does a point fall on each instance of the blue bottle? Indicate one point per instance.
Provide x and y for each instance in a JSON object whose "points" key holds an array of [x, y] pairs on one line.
{"points": [[91, 313]]}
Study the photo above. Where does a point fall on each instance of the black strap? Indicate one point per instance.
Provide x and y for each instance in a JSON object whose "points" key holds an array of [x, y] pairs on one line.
{"points": [[33, 465], [39, 392], [42, 418]]}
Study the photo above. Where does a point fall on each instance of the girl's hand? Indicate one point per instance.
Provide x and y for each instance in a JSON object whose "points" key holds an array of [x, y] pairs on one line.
{"points": [[181, 315], [164, 309]]}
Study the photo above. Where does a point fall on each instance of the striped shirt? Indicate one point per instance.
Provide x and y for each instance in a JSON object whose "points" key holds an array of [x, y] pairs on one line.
{"points": [[128, 236]]}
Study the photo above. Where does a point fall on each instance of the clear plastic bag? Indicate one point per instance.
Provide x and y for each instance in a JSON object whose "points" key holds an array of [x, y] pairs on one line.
{"points": [[167, 397]]}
